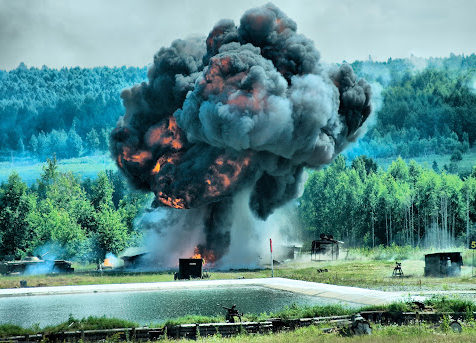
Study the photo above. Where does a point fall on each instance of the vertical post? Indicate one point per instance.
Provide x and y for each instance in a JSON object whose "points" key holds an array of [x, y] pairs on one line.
{"points": [[472, 267], [467, 219], [271, 250]]}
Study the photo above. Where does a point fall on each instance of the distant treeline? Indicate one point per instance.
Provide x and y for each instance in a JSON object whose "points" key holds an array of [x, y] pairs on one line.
{"points": [[405, 205], [426, 106], [423, 106], [68, 111], [66, 217]]}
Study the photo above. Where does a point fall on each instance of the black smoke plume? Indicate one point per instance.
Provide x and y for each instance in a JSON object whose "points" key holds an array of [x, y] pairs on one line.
{"points": [[248, 107]]}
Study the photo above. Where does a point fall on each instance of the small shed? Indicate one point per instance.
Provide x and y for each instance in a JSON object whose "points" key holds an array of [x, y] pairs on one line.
{"points": [[133, 261], [190, 268], [443, 264], [135, 257], [287, 252], [325, 248]]}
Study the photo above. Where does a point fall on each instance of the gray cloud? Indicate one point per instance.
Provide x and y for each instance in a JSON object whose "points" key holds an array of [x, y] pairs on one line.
{"points": [[118, 32]]}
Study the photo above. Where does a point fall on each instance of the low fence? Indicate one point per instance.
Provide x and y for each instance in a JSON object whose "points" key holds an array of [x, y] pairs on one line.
{"points": [[192, 331]]}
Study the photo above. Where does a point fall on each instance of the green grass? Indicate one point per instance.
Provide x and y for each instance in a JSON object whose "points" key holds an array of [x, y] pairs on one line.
{"points": [[445, 304], [294, 312], [291, 312], [192, 319], [92, 277], [88, 166], [422, 333], [381, 334], [464, 167], [90, 323], [9, 330], [370, 268], [378, 275], [30, 170], [72, 324]]}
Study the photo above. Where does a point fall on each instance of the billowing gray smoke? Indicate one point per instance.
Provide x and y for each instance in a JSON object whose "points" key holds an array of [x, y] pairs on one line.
{"points": [[248, 108]]}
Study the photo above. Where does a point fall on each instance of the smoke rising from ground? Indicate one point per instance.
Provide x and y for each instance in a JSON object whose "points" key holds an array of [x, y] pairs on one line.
{"points": [[247, 108]]}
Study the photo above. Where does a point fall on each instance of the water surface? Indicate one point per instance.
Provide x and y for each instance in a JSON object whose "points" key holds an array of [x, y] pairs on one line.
{"points": [[148, 307]]}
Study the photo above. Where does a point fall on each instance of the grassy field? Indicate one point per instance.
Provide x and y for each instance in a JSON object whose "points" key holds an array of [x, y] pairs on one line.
{"points": [[363, 268], [372, 268], [96, 278], [422, 333], [394, 334], [292, 312], [465, 166], [30, 170], [88, 166]]}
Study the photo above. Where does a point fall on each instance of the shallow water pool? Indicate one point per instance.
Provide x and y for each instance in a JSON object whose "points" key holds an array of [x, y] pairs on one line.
{"points": [[148, 307]]}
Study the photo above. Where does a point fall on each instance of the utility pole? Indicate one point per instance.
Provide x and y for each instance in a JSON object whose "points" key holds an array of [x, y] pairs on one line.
{"points": [[271, 250]]}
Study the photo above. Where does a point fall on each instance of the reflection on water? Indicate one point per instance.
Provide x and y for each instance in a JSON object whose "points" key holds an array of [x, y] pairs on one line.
{"points": [[147, 307]]}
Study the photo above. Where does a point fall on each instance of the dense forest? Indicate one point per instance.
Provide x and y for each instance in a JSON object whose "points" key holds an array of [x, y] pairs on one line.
{"points": [[359, 203], [422, 106], [405, 205], [68, 112], [425, 106], [67, 217]]}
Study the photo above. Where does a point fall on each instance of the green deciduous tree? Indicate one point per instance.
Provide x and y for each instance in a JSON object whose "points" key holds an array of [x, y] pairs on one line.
{"points": [[15, 206]]}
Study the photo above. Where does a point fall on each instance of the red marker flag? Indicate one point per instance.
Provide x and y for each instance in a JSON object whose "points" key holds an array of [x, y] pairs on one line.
{"points": [[270, 245]]}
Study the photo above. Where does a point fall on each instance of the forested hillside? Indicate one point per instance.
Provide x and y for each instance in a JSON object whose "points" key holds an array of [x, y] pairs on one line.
{"points": [[422, 106], [426, 106], [68, 112]]}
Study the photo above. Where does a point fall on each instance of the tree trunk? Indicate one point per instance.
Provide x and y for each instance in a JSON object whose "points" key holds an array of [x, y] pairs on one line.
{"points": [[386, 226], [390, 221], [373, 230]]}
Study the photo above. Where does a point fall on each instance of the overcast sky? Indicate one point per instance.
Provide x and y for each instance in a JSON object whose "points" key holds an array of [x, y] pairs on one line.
{"points": [[116, 32]]}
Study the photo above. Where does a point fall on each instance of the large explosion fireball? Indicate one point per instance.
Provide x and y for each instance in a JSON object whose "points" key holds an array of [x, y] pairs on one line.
{"points": [[247, 107]]}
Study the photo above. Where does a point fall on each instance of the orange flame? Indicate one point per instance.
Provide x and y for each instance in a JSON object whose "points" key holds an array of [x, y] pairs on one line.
{"points": [[171, 202], [207, 256], [107, 263], [163, 160], [140, 157], [224, 174], [156, 168], [166, 134]]}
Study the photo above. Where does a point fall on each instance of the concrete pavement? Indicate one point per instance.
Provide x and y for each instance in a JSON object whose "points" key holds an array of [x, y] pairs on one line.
{"points": [[361, 296]]}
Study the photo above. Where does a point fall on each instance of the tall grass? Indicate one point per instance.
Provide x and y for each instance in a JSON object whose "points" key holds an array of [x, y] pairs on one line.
{"points": [[90, 323], [445, 304], [9, 330], [382, 253], [396, 252], [441, 304]]}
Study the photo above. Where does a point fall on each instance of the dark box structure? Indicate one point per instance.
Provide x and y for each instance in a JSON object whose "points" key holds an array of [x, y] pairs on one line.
{"points": [[286, 252], [443, 264], [190, 268], [133, 261], [36, 265], [325, 248]]}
